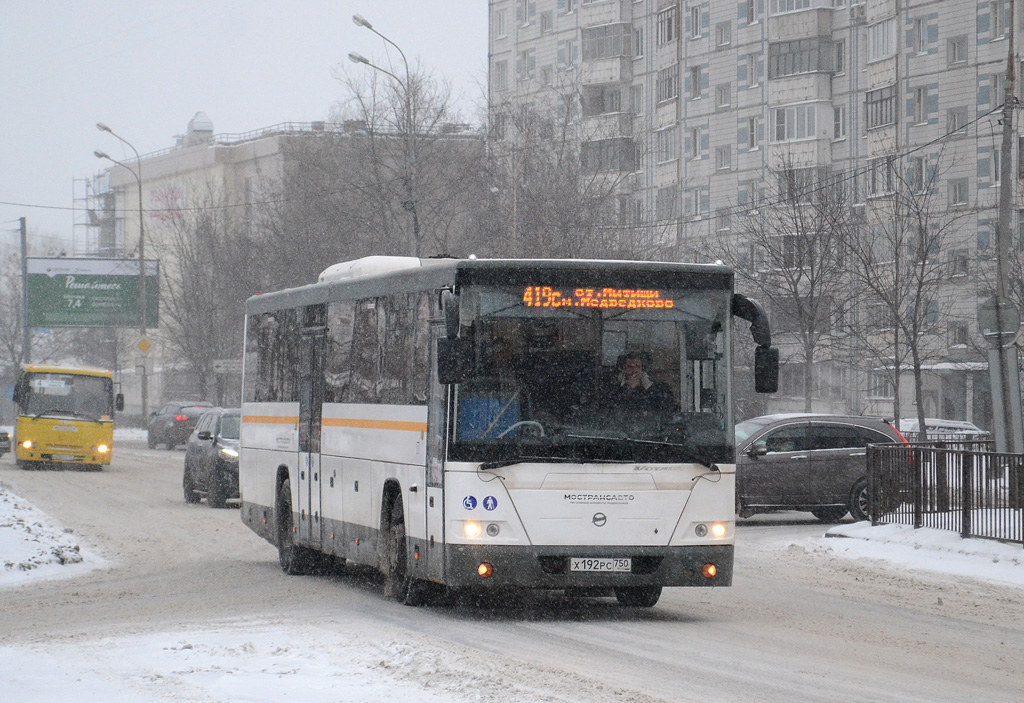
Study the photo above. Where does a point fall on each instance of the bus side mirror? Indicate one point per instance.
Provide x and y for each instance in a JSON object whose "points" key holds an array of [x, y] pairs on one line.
{"points": [[119, 401], [450, 309], [454, 360], [766, 369], [16, 394]]}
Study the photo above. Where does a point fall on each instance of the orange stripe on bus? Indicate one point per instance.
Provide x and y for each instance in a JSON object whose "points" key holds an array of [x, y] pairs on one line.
{"points": [[375, 424], [270, 419]]}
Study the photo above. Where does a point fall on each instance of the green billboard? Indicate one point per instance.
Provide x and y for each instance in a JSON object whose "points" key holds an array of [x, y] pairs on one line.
{"points": [[90, 293]]}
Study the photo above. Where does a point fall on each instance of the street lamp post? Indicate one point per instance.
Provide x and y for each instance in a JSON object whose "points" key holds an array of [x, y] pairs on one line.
{"points": [[137, 172], [410, 143]]}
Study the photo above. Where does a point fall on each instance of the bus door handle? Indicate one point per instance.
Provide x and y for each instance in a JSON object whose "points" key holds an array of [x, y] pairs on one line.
{"points": [[802, 456]]}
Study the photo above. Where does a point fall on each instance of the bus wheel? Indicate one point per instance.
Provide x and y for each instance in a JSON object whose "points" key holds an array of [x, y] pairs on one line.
{"points": [[393, 558], [638, 596], [294, 560]]}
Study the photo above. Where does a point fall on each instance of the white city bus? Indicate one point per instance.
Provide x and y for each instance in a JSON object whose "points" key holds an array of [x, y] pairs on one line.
{"points": [[454, 423]]}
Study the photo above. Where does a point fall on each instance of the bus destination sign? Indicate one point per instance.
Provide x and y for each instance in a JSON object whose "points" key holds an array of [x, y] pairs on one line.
{"points": [[628, 298]]}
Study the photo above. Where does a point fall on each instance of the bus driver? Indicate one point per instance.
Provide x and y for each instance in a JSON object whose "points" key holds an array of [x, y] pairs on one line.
{"points": [[634, 389]]}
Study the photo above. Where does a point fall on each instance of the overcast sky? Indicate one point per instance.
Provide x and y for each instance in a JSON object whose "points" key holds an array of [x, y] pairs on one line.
{"points": [[145, 68]]}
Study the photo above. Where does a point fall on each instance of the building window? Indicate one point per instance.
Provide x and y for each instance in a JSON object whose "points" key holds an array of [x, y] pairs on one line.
{"points": [[752, 11], [882, 40], [790, 58], [956, 50], [999, 18], [636, 99], [526, 10], [918, 173], [695, 22], [698, 202], [753, 76], [839, 122], [958, 192], [696, 150], [668, 83], [881, 107], [500, 75], [839, 57], [920, 36], [500, 24], [920, 105], [695, 81], [752, 141], [567, 53], [997, 86], [638, 42], [881, 176], [723, 95], [956, 120], [778, 7], [547, 21], [723, 34], [959, 336], [959, 263], [526, 65], [723, 220], [605, 42], [668, 25], [879, 383], [723, 158], [667, 145], [793, 122], [666, 204]]}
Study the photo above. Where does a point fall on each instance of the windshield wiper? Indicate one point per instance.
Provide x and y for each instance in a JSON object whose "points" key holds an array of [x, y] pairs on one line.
{"points": [[690, 455], [56, 411], [499, 463]]}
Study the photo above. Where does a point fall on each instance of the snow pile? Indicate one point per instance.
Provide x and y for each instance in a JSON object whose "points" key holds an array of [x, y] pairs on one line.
{"points": [[32, 545]]}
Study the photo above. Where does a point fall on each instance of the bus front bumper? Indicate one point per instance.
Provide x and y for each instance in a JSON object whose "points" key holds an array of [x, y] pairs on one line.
{"points": [[549, 567]]}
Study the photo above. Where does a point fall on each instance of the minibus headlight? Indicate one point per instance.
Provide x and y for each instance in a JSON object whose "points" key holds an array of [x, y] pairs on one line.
{"points": [[27, 444], [102, 449]]}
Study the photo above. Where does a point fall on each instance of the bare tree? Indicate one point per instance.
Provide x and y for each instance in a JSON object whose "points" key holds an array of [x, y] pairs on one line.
{"points": [[788, 248], [901, 256], [207, 275]]}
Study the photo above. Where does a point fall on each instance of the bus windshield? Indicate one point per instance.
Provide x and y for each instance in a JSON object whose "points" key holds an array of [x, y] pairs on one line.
{"points": [[74, 395], [612, 374]]}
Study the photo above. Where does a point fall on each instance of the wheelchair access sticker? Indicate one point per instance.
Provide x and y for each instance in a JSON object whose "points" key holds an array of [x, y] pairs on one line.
{"points": [[469, 502]]}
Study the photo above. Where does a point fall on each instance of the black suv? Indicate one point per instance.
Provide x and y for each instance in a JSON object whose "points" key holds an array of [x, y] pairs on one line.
{"points": [[807, 462], [174, 422], [211, 458]]}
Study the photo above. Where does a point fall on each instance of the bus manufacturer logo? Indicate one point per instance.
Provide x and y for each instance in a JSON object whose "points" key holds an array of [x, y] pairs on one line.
{"points": [[599, 519]]}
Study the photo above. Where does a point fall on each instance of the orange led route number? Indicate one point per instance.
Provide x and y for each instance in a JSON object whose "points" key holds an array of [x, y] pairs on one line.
{"points": [[628, 298]]}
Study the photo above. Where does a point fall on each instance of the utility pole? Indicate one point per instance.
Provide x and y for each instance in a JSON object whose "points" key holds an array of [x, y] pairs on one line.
{"points": [[1003, 369], [26, 338]]}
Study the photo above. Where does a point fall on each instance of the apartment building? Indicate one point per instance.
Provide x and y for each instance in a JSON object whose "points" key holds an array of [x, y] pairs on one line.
{"points": [[716, 98]]}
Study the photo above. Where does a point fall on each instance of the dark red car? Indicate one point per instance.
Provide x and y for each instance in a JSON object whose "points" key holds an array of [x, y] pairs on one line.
{"points": [[174, 422]]}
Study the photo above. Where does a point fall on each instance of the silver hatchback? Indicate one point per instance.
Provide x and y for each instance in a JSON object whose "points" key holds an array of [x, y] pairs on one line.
{"points": [[807, 462]]}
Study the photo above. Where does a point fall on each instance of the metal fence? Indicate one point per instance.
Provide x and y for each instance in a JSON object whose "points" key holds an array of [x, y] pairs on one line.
{"points": [[958, 486]]}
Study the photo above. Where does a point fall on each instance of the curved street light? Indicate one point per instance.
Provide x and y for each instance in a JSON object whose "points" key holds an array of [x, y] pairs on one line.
{"points": [[410, 142], [137, 172]]}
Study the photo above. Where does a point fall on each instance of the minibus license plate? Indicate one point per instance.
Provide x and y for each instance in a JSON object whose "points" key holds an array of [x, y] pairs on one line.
{"points": [[591, 564]]}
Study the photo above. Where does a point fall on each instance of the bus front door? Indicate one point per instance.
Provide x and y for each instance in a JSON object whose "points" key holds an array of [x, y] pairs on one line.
{"points": [[311, 391]]}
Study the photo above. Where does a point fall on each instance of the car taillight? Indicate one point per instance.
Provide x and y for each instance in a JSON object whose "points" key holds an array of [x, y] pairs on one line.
{"points": [[180, 418]]}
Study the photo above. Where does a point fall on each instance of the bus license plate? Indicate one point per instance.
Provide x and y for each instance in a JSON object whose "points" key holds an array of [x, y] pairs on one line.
{"points": [[64, 457], [591, 564]]}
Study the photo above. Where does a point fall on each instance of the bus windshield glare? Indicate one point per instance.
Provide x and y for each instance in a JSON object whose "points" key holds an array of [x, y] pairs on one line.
{"points": [[594, 374]]}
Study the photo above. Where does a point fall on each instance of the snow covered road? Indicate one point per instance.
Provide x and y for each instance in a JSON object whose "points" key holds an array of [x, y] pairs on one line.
{"points": [[186, 604]]}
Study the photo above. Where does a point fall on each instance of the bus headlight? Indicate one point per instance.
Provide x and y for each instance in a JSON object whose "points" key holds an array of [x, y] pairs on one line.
{"points": [[102, 449], [471, 529], [718, 530], [27, 444]]}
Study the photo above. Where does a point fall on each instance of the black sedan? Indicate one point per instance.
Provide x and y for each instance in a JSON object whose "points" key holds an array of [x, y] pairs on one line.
{"points": [[174, 422], [211, 458]]}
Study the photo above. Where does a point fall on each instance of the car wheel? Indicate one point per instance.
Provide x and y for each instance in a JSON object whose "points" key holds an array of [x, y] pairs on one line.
{"points": [[188, 486], [829, 513], [216, 491], [294, 560], [150, 441], [170, 445], [860, 500], [638, 596]]}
